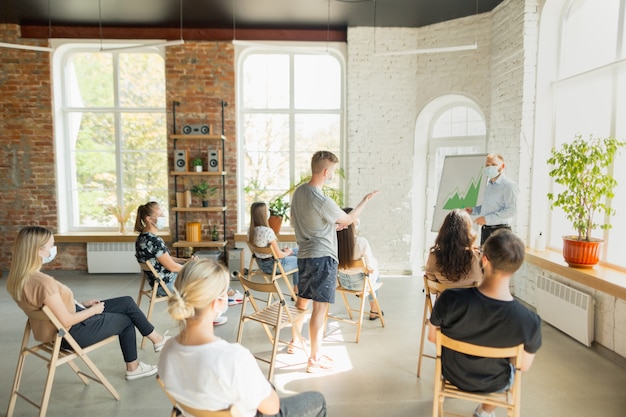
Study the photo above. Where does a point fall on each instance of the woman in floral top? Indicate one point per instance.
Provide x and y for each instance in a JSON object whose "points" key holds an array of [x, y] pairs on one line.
{"points": [[262, 236]]}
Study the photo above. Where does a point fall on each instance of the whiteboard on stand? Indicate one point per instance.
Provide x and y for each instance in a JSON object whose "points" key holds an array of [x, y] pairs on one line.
{"points": [[462, 185]]}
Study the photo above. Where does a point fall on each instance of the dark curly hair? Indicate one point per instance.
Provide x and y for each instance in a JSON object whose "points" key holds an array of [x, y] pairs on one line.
{"points": [[453, 245]]}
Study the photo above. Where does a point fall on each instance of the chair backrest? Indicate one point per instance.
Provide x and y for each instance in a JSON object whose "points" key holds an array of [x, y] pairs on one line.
{"points": [[357, 264], [510, 398], [148, 267], [434, 289], [229, 412]]}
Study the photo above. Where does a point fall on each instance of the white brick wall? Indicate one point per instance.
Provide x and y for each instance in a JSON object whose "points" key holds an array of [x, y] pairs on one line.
{"points": [[386, 95]]}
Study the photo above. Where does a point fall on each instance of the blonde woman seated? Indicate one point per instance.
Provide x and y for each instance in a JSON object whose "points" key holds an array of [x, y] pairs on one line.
{"points": [[206, 372], [352, 247], [262, 236], [89, 322], [454, 259]]}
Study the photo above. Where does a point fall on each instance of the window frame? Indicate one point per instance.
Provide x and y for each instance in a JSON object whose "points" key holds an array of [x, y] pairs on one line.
{"points": [[65, 177], [243, 51]]}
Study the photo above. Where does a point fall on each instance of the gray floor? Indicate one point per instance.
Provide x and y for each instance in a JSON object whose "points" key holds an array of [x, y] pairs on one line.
{"points": [[375, 377]]}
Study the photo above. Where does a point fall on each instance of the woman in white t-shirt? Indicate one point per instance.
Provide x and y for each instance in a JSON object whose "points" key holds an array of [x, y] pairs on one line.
{"points": [[352, 247], [262, 236], [202, 370]]}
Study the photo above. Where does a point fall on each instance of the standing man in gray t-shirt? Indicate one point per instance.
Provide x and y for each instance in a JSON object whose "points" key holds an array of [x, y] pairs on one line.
{"points": [[316, 219]]}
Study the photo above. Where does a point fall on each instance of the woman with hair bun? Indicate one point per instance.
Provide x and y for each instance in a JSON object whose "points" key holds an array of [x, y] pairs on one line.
{"points": [[203, 371], [454, 259]]}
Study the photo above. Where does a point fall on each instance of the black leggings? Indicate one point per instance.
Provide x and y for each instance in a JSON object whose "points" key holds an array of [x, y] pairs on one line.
{"points": [[120, 317]]}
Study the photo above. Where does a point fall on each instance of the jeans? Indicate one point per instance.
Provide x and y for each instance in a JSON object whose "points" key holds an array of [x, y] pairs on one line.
{"points": [[288, 262], [305, 404], [120, 317], [354, 282]]}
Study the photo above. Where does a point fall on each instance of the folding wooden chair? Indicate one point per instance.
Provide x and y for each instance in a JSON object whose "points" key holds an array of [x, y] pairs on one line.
{"points": [[52, 353], [432, 290], [509, 399], [178, 407], [150, 291], [369, 288], [277, 269], [276, 315]]}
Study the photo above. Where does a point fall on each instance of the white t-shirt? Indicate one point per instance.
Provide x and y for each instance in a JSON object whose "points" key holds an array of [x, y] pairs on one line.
{"points": [[262, 237], [213, 376]]}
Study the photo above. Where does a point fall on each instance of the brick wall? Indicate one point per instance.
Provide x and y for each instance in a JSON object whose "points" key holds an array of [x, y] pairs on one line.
{"points": [[199, 76]]}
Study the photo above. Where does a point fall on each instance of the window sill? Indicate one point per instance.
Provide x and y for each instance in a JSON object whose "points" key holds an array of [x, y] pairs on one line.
{"points": [[605, 279], [88, 237]]}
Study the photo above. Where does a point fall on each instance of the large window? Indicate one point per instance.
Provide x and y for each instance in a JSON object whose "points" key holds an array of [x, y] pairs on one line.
{"points": [[110, 135], [590, 98], [290, 105]]}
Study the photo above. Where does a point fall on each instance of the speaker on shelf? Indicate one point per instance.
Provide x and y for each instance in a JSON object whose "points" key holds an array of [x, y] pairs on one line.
{"points": [[181, 162], [197, 129], [214, 161]]}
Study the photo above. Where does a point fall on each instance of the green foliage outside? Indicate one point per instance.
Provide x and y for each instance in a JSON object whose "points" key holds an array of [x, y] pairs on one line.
{"points": [[114, 174]]}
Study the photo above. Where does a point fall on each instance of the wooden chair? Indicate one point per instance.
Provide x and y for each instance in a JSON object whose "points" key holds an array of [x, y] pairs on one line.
{"points": [[277, 270], [150, 291], [369, 288], [54, 355], [275, 315], [178, 407], [508, 399], [432, 290]]}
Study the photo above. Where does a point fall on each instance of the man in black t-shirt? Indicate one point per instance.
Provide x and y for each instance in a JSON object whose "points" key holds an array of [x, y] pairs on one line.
{"points": [[487, 315]]}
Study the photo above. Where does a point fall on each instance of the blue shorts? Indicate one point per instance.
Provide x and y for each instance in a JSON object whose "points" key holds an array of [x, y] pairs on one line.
{"points": [[318, 279]]}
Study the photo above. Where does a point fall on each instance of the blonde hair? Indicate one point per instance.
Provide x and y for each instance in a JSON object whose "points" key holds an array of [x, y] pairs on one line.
{"points": [[322, 160], [199, 283], [258, 217], [143, 211], [26, 259]]}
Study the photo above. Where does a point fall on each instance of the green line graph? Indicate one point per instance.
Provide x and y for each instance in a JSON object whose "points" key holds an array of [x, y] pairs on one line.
{"points": [[468, 198]]}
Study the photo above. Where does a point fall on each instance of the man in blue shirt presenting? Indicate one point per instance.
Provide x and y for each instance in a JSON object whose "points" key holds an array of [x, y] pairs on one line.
{"points": [[499, 202]]}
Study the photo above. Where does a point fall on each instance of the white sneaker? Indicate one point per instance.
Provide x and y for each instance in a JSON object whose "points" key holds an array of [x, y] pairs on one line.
{"points": [[236, 298], [479, 412], [159, 346], [220, 320], [142, 371]]}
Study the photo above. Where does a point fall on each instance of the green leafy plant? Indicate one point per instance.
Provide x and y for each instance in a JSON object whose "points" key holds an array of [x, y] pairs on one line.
{"points": [[581, 167], [196, 162], [203, 190], [279, 207]]}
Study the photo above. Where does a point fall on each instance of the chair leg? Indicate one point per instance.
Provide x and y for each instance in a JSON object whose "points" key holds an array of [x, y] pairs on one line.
{"points": [[18, 372], [421, 354], [153, 297]]}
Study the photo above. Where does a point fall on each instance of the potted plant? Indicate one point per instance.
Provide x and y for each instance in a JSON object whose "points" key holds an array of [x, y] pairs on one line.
{"points": [[197, 164], [278, 208], [581, 167], [203, 190]]}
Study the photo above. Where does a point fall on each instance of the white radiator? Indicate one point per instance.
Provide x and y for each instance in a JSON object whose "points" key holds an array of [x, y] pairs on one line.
{"points": [[111, 258], [566, 308]]}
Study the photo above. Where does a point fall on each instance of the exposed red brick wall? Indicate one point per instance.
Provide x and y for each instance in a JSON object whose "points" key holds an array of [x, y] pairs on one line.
{"points": [[199, 75]]}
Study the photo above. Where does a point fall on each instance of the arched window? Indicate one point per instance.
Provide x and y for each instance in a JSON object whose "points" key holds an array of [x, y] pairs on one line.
{"points": [[457, 127], [111, 134], [291, 104]]}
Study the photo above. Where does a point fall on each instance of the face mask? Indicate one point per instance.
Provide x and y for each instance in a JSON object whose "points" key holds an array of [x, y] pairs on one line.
{"points": [[357, 224], [219, 313], [161, 222], [491, 171], [49, 258]]}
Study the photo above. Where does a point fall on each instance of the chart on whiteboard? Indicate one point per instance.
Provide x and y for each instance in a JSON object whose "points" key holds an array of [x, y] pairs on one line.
{"points": [[462, 185]]}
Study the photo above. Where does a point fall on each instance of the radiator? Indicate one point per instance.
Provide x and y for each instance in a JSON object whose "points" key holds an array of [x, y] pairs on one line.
{"points": [[111, 258], [566, 308]]}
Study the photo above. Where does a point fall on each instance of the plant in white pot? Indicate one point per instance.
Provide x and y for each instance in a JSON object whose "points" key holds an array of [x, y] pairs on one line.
{"points": [[581, 167], [197, 164]]}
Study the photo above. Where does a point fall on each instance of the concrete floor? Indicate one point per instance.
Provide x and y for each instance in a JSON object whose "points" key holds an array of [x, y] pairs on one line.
{"points": [[374, 378]]}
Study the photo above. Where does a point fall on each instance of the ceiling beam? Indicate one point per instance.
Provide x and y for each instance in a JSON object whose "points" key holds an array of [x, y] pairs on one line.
{"points": [[189, 34]]}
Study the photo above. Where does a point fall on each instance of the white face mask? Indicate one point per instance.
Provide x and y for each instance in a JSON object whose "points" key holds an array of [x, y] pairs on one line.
{"points": [[49, 258], [491, 171], [161, 222], [357, 224], [219, 313]]}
